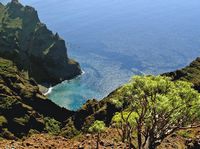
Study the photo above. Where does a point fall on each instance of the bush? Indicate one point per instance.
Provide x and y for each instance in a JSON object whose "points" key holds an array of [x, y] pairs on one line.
{"points": [[3, 121], [52, 126]]}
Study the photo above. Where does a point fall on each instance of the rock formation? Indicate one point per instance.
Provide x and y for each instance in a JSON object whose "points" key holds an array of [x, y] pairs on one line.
{"points": [[22, 106], [32, 46]]}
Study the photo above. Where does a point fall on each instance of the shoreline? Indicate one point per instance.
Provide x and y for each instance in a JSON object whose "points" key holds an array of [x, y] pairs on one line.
{"points": [[45, 91], [48, 91]]}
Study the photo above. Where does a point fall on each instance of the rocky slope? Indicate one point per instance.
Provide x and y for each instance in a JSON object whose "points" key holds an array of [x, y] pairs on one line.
{"points": [[23, 108], [190, 73], [34, 48], [109, 140]]}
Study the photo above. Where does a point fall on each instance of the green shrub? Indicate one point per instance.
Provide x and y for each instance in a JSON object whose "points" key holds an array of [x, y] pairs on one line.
{"points": [[22, 120], [52, 126], [184, 133], [3, 121], [69, 131]]}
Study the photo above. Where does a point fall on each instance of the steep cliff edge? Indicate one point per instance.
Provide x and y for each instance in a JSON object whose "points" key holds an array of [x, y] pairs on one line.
{"points": [[22, 106], [35, 49], [189, 73]]}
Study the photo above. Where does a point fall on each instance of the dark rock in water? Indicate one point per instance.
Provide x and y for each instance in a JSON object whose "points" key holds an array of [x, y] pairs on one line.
{"points": [[34, 48], [190, 73], [22, 106]]}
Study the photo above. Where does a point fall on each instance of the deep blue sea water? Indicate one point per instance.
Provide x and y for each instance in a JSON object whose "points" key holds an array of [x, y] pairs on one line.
{"points": [[115, 39]]}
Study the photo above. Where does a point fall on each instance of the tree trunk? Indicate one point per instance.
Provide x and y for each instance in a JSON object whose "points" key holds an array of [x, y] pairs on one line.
{"points": [[129, 142], [139, 137], [124, 133], [98, 140], [151, 144]]}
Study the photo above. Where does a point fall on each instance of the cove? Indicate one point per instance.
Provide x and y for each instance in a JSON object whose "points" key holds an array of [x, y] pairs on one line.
{"points": [[115, 39]]}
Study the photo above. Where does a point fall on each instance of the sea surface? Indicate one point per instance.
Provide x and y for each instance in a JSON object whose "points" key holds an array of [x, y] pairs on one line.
{"points": [[116, 39]]}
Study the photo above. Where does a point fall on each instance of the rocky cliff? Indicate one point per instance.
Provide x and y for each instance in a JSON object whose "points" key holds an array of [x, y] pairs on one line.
{"points": [[22, 106], [32, 46], [190, 73]]}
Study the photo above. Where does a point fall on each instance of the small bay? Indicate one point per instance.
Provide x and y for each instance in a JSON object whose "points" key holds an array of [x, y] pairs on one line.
{"points": [[115, 39]]}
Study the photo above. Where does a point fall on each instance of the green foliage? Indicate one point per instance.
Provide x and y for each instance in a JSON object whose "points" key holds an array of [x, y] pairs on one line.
{"points": [[3, 121], [5, 63], [69, 130], [52, 126], [22, 120], [33, 131], [184, 134], [6, 134], [20, 28], [126, 121], [14, 23], [7, 103], [162, 106], [161, 93], [190, 73], [97, 127], [124, 117]]}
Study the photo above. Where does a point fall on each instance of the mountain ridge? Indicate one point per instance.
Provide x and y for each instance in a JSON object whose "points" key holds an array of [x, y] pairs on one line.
{"points": [[33, 47], [190, 73]]}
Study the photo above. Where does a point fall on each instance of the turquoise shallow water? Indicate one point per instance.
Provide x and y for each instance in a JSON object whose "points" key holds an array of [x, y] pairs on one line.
{"points": [[115, 39]]}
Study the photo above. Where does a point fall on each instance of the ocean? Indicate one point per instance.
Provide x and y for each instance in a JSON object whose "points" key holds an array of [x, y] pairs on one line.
{"points": [[116, 39]]}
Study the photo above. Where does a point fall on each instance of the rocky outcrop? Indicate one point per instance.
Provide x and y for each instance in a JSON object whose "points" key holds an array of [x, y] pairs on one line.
{"points": [[190, 73], [22, 106], [34, 48]]}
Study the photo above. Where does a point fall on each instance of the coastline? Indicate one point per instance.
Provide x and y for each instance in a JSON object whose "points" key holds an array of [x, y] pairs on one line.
{"points": [[47, 90], [43, 89]]}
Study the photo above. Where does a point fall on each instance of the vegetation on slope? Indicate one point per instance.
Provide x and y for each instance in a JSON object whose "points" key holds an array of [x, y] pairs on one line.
{"points": [[157, 107], [167, 107], [144, 112], [35, 49], [190, 73], [23, 108]]}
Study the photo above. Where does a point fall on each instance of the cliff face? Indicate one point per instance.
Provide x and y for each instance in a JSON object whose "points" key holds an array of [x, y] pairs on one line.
{"points": [[22, 105], [34, 48], [190, 73]]}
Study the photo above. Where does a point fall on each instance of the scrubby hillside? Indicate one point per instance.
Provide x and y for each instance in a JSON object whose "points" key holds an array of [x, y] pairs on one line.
{"points": [[23, 108], [32, 46], [190, 73]]}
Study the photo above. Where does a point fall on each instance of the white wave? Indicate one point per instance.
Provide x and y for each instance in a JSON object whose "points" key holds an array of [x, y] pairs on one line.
{"points": [[68, 81], [49, 91], [83, 72]]}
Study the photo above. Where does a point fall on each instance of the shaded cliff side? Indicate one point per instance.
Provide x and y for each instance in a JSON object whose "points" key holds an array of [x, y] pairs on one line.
{"points": [[32, 46], [22, 106], [189, 73]]}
